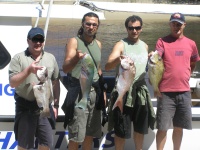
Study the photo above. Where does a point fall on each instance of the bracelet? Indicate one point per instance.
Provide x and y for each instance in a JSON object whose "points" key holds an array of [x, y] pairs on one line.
{"points": [[56, 105]]}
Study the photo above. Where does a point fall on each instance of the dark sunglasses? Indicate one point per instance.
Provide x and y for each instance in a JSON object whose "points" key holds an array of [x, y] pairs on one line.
{"points": [[135, 28], [35, 40], [91, 24]]}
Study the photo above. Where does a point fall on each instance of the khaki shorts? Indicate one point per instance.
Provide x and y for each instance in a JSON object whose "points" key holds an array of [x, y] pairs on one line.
{"points": [[85, 122]]}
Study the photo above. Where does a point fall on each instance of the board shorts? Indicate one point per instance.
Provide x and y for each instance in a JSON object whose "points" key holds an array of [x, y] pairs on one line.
{"points": [[174, 107], [85, 122]]}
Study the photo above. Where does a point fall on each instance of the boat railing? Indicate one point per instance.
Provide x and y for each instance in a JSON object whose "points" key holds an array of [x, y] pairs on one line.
{"points": [[18, 1]]}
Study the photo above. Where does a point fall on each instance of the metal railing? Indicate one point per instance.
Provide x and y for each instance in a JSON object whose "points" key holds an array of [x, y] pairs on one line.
{"points": [[194, 2], [17, 1]]}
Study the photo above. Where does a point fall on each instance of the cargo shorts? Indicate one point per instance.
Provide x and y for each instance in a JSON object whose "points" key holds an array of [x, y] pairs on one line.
{"points": [[174, 107], [85, 122]]}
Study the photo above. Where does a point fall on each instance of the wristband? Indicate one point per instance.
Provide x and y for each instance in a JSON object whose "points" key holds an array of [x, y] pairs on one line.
{"points": [[56, 105]]}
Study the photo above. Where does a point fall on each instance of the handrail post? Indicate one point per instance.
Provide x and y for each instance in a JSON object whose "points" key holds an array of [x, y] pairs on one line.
{"points": [[47, 19], [40, 14]]}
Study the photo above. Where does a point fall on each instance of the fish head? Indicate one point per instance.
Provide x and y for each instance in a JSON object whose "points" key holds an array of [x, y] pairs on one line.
{"points": [[127, 63], [155, 58], [42, 74], [87, 65], [87, 61]]}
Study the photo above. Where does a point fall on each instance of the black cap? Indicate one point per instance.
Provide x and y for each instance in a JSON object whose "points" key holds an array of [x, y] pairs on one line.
{"points": [[177, 17], [35, 31]]}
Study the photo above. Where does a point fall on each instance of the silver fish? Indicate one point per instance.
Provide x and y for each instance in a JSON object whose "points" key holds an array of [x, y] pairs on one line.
{"points": [[43, 92], [155, 71], [86, 79], [42, 74], [125, 79]]}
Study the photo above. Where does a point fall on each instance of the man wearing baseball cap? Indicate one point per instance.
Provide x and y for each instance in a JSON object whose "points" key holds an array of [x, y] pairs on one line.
{"points": [[22, 75], [179, 55], [177, 17], [34, 32]]}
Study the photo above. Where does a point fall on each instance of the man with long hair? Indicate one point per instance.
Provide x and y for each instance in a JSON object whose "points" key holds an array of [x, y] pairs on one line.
{"points": [[83, 124]]}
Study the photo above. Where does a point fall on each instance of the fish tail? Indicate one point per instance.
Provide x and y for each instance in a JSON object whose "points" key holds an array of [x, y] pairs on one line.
{"points": [[157, 94], [45, 112], [118, 103], [82, 104]]}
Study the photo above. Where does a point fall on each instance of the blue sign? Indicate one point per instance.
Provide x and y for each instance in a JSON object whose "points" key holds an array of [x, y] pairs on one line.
{"points": [[6, 89]]}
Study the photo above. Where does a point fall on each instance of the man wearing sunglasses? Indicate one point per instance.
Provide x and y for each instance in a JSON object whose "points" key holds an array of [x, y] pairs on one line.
{"points": [[22, 75], [137, 102], [83, 124]]}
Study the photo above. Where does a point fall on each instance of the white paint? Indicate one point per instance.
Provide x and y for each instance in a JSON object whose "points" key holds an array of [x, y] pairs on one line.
{"points": [[190, 139]]}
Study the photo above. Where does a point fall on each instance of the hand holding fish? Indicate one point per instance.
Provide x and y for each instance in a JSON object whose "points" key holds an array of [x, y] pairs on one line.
{"points": [[33, 68], [43, 92], [126, 64], [86, 79], [150, 54], [155, 71], [125, 79], [79, 54]]}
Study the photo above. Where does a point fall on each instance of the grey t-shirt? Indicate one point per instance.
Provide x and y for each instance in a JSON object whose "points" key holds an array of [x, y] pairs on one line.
{"points": [[21, 61]]}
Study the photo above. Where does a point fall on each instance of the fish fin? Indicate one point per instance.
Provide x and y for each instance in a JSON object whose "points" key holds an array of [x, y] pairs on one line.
{"points": [[82, 104], [119, 104], [157, 94], [45, 113]]}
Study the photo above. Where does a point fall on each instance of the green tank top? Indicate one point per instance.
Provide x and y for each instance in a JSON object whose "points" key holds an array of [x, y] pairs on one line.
{"points": [[139, 54], [95, 52]]}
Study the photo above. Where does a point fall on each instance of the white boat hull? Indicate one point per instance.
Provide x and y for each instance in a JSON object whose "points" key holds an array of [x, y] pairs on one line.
{"points": [[190, 139], [17, 21]]}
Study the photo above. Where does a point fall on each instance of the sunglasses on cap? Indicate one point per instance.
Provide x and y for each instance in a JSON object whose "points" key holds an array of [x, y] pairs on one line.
{"points": [[135, 28], [91, 24], [35, 40]]}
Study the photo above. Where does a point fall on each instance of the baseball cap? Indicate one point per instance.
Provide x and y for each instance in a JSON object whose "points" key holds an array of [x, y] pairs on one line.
{"points": [[35, 31], [177, 17]]}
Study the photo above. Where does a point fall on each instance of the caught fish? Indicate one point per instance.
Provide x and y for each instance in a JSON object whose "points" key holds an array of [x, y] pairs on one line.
{"points": [[155, 71], [43, 92], [42, 74], [125, 79], [86, 79]]}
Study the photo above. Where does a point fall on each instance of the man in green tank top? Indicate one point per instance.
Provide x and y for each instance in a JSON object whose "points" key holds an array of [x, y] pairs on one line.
{"points": [[136, 107], [84, 123]]}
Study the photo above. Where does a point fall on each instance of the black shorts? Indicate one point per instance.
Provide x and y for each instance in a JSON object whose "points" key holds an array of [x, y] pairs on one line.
{"points": [[122, 122], [31, 126]]}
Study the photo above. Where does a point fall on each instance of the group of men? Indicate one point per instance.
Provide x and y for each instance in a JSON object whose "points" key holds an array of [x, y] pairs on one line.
{"points": [[84, 124]]}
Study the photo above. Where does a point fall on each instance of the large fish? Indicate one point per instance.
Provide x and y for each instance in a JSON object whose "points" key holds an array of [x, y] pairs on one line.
{"points": [[125, 79], [43, 92], [86, 79], [155, 71]]}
